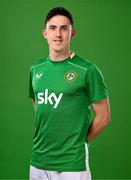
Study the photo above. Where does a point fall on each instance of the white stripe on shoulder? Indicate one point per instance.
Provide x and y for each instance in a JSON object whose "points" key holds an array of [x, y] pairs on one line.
{"points": [[39, 64], [77, 65]]}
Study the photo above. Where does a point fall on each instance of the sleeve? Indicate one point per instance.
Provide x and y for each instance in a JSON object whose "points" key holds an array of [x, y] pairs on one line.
{"points": [[96, 86], [31, 91]]}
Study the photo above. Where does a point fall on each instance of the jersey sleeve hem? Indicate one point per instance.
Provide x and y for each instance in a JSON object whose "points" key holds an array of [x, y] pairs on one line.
{"points": [[99, 98]]}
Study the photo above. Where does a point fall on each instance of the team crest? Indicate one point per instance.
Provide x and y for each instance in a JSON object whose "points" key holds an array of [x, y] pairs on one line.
{"points": [[70, 76]]}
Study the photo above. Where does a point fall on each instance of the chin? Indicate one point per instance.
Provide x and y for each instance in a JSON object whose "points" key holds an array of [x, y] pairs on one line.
{"points": [[58, 49]]}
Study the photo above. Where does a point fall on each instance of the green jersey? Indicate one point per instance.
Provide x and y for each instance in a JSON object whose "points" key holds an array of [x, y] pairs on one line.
{"points": [[63, 92]]}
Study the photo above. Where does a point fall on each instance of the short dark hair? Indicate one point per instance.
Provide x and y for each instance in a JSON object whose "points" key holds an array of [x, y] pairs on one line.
{"points": [[59, 11]]}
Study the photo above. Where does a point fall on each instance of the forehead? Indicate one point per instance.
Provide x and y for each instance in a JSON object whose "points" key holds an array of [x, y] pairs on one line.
{"points": [[59, 20]]}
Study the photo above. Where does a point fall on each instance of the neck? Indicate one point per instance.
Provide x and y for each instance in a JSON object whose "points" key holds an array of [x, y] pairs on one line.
{"points": [[59, 56]]}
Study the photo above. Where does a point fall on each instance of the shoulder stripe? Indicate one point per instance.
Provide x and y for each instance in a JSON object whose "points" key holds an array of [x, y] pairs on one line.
{"points": [[77, 65], [39, 64]]}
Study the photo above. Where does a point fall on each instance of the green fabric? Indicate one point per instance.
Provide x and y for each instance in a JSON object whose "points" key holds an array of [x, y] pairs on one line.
{"points": [[63, 92]]}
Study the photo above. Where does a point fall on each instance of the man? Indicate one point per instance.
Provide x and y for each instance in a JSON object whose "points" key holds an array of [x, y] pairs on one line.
{"points": [[63, 86]]}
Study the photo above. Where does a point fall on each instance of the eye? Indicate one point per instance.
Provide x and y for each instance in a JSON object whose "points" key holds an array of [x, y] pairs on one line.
{"points": [[52, 27], [64, 28]]}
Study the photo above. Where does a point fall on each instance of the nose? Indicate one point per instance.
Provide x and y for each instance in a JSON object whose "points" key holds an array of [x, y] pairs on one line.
{"points": [[58, 32]]}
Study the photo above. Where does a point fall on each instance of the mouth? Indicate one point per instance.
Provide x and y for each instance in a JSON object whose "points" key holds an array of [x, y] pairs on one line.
{"points": [[58, 41]]}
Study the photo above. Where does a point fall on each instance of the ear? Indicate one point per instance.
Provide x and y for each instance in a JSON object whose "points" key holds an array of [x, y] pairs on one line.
{"points": [[73, 33], [44, 33]]}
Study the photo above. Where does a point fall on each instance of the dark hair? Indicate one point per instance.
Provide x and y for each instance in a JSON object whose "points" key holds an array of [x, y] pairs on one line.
{"points": [[59, 11]]}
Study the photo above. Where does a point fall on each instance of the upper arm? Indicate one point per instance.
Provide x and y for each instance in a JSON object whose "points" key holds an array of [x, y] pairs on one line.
{"points": [[102, 108], [96, 85], [33, 101]]}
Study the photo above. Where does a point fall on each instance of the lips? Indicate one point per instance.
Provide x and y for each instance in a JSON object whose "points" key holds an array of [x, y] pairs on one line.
{"points": [[58, 41]]}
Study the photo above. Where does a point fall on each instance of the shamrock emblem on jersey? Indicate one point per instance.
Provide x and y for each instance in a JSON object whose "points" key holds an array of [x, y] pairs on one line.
{"points": [[70, 76]]}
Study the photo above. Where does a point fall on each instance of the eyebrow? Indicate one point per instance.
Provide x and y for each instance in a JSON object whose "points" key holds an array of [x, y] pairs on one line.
{"points": [[58, 26]]}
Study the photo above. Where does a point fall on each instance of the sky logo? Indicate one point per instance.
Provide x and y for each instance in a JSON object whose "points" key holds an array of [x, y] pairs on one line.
{"points": [[45, 97]]}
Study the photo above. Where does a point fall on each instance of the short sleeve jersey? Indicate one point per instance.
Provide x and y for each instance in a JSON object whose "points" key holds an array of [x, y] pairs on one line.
{"points": [[63, 92]]}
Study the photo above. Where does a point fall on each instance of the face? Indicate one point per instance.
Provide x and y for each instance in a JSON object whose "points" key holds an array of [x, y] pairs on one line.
{"points": [[58, 33]]}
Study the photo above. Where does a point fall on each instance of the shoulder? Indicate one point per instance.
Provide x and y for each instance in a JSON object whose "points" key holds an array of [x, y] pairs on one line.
{"points": [[84, 63], [38, 63]]}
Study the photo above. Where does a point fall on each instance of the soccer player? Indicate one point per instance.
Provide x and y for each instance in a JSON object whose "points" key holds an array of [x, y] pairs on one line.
{"points": [[63, 87]]}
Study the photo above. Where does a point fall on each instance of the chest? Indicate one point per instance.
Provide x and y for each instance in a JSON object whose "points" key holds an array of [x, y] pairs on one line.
{"points": [[67, 80]]}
